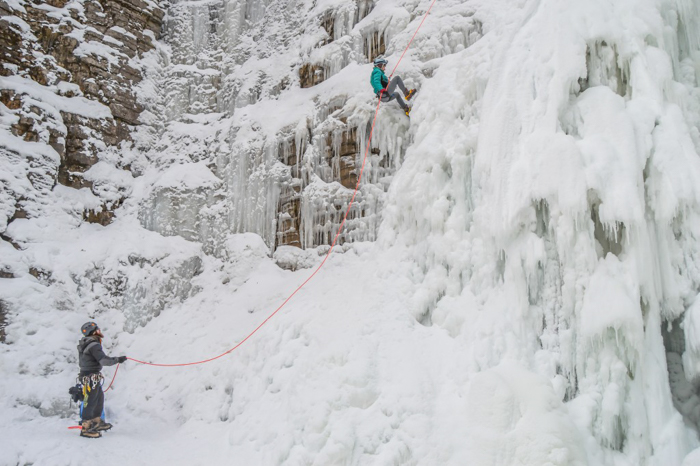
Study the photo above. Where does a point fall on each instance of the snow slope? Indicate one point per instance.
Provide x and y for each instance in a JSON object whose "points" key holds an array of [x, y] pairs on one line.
{"points": [[537, 252]]}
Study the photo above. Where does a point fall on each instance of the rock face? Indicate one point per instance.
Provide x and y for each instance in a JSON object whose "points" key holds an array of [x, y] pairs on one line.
{"points": [[375, 45], [309, 220], [340, 158], [315, 197], [310, 75], [336, 50], [82, 50], [346, 153], [289, 210]]}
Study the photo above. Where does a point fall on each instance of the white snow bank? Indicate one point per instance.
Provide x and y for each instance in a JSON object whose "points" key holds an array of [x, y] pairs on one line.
{"points": [[246, 245], [517, 418]]}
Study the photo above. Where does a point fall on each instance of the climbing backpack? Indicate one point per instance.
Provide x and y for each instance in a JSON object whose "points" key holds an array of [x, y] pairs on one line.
{"points": [[76, 393]]}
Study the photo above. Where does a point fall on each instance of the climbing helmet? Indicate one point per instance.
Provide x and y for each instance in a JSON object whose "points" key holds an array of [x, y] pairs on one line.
{"points": [[89, 328]]}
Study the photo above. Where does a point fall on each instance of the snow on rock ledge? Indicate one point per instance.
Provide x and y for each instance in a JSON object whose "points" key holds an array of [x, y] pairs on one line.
{"points": [[293, 258]]}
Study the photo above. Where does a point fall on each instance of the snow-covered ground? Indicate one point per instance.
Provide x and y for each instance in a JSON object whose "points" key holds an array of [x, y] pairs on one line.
{"points": [[327, 390], [538, 246]]}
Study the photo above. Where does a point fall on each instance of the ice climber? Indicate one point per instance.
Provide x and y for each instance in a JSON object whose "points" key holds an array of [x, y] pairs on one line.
{"points": [[381, 83], [91, 358]]}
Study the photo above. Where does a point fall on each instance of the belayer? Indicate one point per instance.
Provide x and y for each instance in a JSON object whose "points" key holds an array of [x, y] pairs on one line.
{"points": [[91, 358], [381, 83]]}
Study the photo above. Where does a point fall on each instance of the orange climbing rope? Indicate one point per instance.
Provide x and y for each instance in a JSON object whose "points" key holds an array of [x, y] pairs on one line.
{"points": [[406, 49], [340, 229], [113, 377]]}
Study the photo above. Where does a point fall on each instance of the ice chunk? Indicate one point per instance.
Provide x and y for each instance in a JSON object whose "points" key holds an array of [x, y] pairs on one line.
{"points": [[691, 328]]}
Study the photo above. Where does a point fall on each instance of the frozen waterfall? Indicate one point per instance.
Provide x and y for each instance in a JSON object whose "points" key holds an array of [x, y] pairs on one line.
{"points": [[518, 281]]}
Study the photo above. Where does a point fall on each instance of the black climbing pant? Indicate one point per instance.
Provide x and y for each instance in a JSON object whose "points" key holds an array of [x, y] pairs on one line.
{"points": [[94, 397], [391, 94]]}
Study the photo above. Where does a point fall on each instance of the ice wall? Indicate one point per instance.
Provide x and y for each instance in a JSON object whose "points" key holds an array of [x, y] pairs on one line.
{"points": [[551, 203], [545, 191], [223, 90]]}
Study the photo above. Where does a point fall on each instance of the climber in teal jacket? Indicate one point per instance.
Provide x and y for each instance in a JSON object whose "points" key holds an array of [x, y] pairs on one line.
{"points": [[381, 83]]}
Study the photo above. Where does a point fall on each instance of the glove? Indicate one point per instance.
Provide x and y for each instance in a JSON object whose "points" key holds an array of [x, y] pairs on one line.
{"points": [[121, 359]]}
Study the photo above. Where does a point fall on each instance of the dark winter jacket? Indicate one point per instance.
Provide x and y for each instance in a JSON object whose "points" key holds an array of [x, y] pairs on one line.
{"points": [[379, 80], [91, 358]]}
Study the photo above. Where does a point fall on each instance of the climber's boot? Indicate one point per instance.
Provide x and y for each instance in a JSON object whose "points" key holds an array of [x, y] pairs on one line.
{"points": [[102, 426], [89, 429]]}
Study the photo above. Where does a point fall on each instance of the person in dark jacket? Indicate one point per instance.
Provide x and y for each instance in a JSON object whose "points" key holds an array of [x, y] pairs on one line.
{"points": [[91, 358], [381, 83]]}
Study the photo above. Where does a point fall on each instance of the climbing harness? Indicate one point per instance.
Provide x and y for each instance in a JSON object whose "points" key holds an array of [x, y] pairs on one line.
{"points": [[89, 382], [340, 229]]}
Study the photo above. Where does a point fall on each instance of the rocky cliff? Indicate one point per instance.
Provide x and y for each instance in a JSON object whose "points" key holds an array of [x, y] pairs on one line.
{"points": [[67, 89]]}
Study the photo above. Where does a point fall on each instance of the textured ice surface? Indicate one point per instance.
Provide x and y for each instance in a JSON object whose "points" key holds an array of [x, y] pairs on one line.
{"points": [[536, 257]]}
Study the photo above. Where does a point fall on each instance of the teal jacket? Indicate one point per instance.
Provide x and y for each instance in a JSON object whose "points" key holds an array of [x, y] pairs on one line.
{"points": [[379, 80]]}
